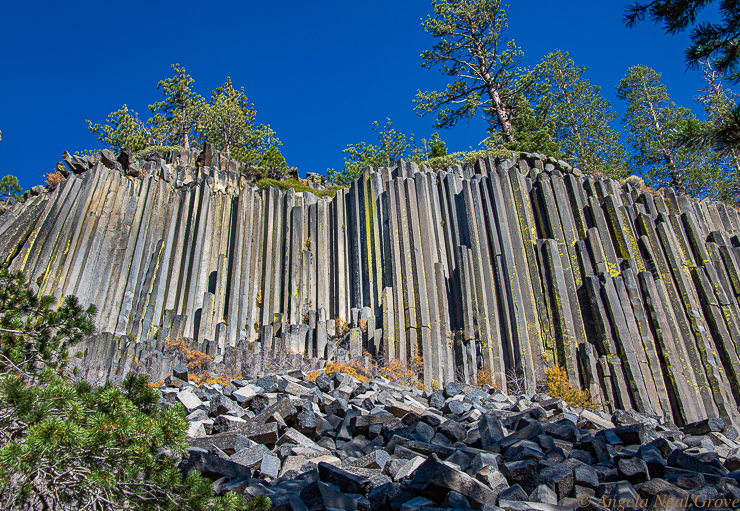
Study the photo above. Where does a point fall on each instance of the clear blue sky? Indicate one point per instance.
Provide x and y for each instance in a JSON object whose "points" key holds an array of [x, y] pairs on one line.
{"points": [[319, 72]]}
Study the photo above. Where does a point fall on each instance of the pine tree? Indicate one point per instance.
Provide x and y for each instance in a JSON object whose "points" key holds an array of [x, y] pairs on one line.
{"points": [[437, 147], [123, 128], [65, 445], [229, 122], [392, 146], [32, 333], [576, 113], [178, 117], [718, 103], [652, 120], [533, 132], [714, 42], [474, 50], [272, 163], [9, 187]]}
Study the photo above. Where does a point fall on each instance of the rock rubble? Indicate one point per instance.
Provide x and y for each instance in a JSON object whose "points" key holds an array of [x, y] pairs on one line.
{"points": [[339, 443]]}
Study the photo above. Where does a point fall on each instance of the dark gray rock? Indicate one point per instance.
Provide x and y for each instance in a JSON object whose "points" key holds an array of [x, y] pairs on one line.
{"points": [[491, 430], [213, 467], [633, 470], [180, 371], [433, 479], [437, 399], [560, 478], [704, 427], [453, 389], [345, 481], [513, 493]]}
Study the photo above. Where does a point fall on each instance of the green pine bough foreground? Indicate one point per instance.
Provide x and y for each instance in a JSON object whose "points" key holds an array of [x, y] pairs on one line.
{"points": [[67, 445]]}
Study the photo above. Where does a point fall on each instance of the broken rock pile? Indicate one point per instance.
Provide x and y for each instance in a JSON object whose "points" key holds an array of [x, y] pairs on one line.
{"points": [[338, 443]]}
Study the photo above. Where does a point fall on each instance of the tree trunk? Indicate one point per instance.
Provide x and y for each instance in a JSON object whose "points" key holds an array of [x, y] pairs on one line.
{"points": [[493, 93], [674, 172]]}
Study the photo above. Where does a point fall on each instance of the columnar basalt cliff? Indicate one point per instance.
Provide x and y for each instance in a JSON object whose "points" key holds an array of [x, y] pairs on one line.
{"points": [[507, 267]]}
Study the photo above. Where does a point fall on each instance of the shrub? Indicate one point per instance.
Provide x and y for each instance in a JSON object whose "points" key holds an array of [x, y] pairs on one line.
{"points": [[53, 178], [353, 369], [32, 334], [341, 327], [558, 385], [195, 360], [485, 377], [69, 446], [298, 186], [396, 371], [157, 149]]}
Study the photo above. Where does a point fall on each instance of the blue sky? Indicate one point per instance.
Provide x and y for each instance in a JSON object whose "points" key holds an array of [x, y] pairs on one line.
{"points": [[319, 72]]}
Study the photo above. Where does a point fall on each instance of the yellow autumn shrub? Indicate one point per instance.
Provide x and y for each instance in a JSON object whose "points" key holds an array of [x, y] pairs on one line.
{"points": [[558, 385]]}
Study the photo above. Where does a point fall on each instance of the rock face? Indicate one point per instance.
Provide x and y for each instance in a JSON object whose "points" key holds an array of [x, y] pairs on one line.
{"points": [[507, 267], [392, 448]]}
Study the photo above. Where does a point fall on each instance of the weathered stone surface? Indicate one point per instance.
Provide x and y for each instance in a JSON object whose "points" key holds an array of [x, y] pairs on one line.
{"points": [[434, 479], [499, 268]]}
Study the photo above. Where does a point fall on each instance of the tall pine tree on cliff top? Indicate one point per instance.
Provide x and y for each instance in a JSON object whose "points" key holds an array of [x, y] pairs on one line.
{"points": [[474, 50], [178, 116], [715, 42], [229, 122], [651, 120], [578, 115]]}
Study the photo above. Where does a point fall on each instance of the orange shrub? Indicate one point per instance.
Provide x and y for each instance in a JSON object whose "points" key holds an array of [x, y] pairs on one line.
{"points": [[396, 371], [195, 360], [558, 385], [485, 378], [53, 178]]}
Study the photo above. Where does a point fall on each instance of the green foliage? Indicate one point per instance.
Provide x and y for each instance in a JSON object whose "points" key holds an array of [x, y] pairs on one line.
{"points": [[719, 133], [392, 146], [473, 49], [177, 117], [65, 445], [651, 120], [532, 132], [68, 446], [713, 44], [157, 149], [183, 118], [229, 120], [713, 41], [123, 128], [272, 162], [576, 114], [298, 186], [9, 187], [437, 146], [229, 123], [32, 333]]}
